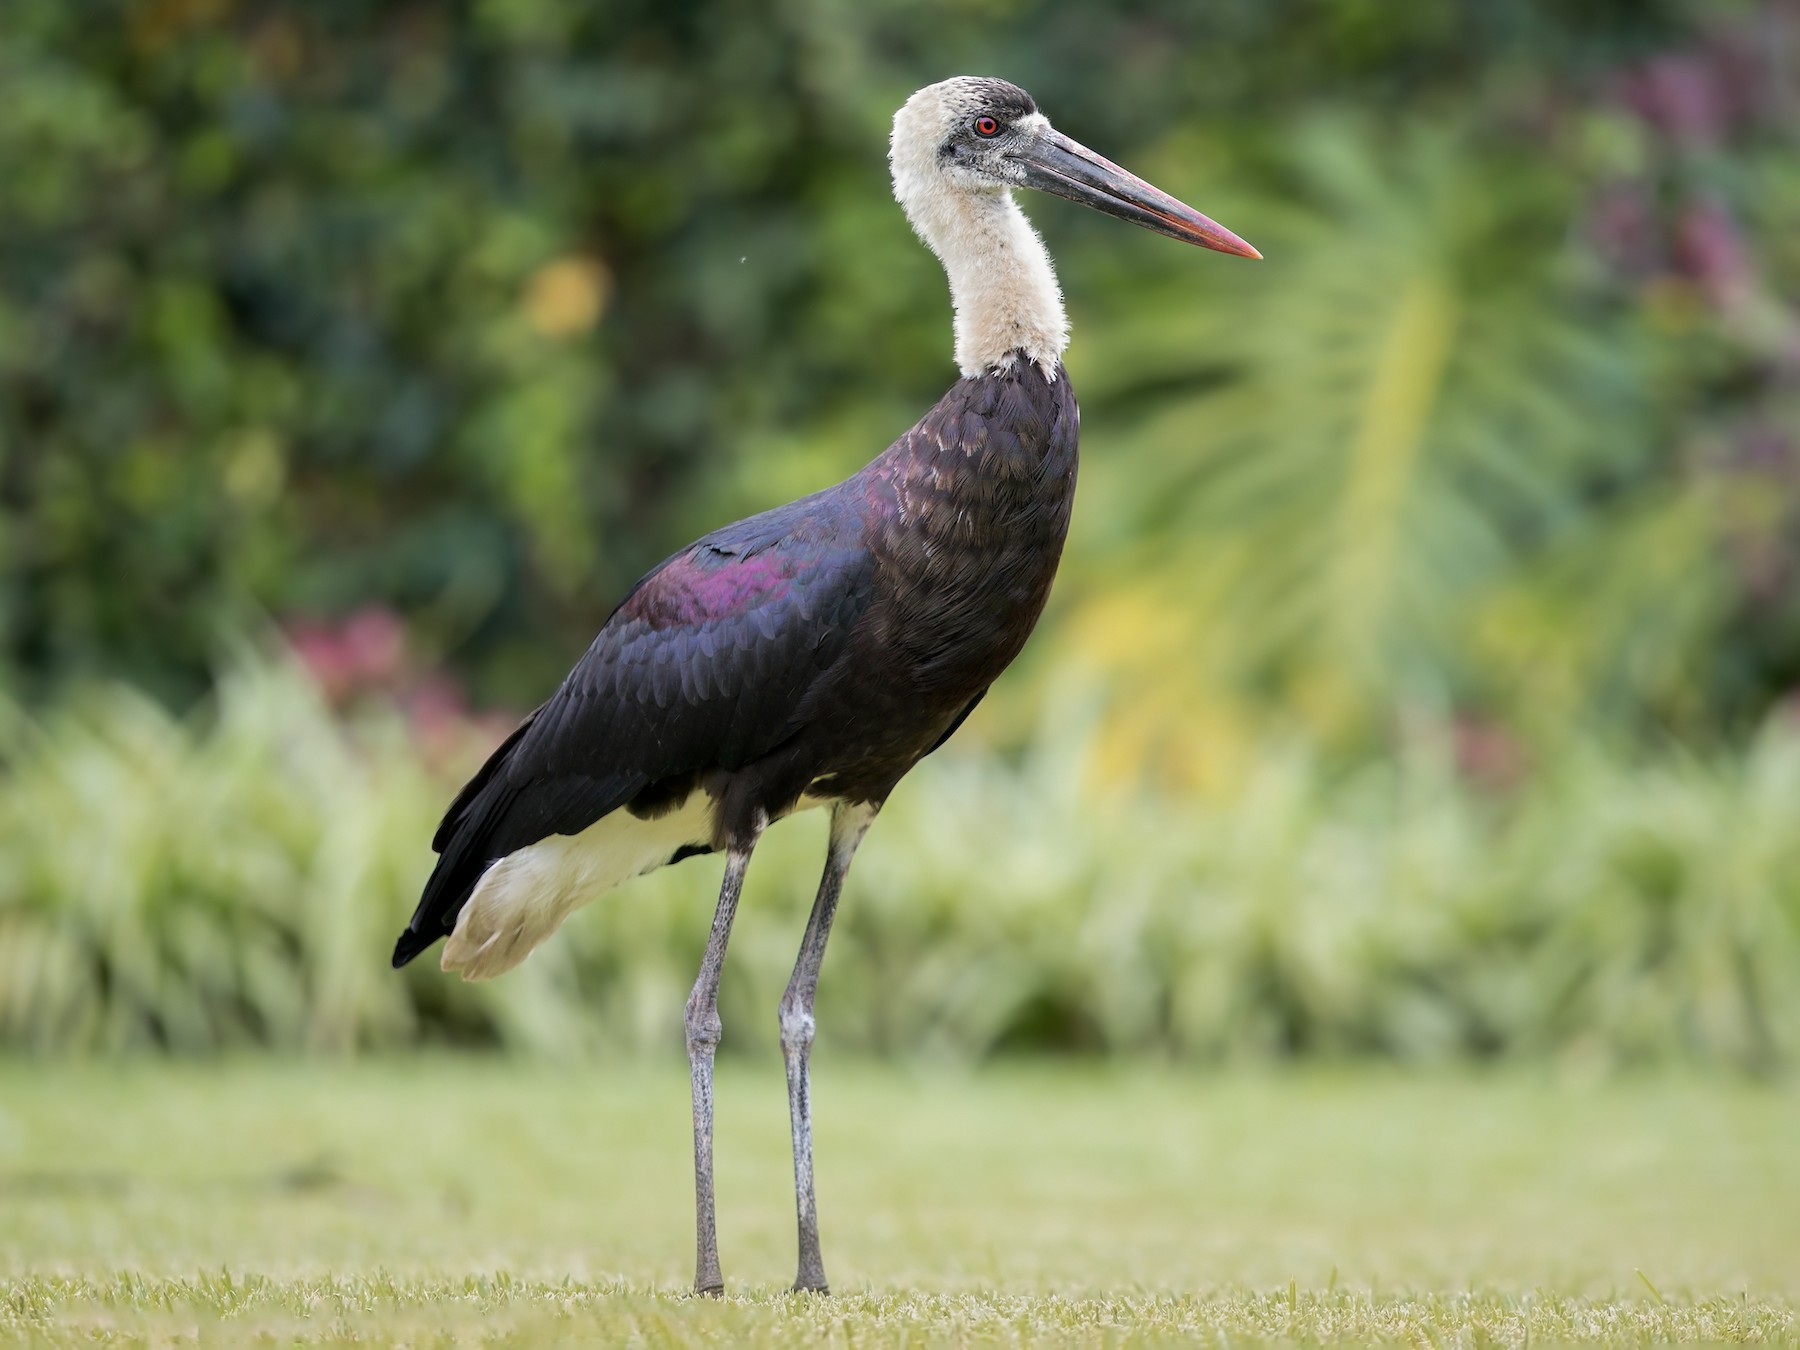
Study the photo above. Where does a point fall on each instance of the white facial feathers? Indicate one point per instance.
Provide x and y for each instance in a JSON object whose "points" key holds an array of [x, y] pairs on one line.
{"points": [[1001, 282]]}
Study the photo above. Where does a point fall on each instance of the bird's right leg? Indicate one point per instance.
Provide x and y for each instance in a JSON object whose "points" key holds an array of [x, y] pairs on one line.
{"points": [[703, 1029], [848, 825]]}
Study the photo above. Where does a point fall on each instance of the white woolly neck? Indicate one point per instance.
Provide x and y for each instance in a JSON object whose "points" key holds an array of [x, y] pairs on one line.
{"points": [[1001, 282]]}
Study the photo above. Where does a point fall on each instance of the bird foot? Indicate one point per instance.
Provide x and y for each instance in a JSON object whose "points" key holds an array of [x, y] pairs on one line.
{"points": [[709, 1290], [811, 1286]]}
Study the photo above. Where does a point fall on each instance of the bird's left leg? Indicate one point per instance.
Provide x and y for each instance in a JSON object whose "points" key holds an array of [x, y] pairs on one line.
{"points": [[703, 1031], [848, 825]]}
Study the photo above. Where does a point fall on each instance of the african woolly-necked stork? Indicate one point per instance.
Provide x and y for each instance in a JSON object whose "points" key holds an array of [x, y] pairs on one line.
{"points": [[811, 655]]}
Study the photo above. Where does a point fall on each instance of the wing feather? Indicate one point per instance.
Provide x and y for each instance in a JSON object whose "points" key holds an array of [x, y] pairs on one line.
{"points": [[705, 665]]}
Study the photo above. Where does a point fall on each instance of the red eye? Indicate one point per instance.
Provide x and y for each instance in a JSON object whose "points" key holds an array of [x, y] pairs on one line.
{"points": [[986, 126]]}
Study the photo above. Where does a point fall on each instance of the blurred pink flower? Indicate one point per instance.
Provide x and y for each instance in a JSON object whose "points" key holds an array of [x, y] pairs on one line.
{"points": [[365, 659], [322, 652], [1710, 248], [1489, 755], [1680, 95], [366, 649], [374, 639]]}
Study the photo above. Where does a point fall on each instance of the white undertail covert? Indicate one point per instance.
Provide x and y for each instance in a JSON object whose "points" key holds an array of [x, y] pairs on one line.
{"points": [[524, 897]]}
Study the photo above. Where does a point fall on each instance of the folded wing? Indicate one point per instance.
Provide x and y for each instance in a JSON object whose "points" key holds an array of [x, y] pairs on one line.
{"points": [[706, 665]]}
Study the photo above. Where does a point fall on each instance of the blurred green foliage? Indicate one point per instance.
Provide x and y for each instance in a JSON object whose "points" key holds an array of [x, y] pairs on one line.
{"points": [[1421, 676], [477, 309], [237, 880]]}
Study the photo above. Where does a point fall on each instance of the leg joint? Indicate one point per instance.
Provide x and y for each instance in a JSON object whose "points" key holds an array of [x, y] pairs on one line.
{"points": [[704, 1028], [797, 1024]]}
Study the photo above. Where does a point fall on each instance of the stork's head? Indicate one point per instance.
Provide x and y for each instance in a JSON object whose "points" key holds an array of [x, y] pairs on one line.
{"points": [[972, 136]]}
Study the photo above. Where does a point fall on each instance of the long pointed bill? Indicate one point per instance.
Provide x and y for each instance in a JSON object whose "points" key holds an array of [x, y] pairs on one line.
{"points": [[1054, 163]]}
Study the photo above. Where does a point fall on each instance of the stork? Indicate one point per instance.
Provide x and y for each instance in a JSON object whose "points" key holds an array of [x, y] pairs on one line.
{"points": [[811, 655]]}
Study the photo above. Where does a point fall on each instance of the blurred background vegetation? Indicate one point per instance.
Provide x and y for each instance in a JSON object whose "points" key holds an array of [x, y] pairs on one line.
{"points": [[1424, 675]]}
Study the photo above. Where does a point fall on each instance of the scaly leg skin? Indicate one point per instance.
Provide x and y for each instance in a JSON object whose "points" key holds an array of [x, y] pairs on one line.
{"points": [[848, 825], [703, 1030]]}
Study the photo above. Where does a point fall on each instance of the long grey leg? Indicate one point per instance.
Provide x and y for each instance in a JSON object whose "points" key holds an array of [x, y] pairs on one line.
{"points": [[848, 825], [703, 1029]]}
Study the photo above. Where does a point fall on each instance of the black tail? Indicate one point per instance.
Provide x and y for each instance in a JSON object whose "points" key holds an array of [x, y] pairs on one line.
{"points": [[411, 944], [453, 879], [465, 848]]}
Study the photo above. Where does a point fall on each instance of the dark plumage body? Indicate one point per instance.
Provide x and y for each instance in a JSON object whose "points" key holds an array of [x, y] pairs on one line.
{"points": [[820, 649]]}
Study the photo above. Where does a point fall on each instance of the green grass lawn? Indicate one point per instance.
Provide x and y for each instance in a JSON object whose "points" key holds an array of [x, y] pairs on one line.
{"points": [[442, 1201]]}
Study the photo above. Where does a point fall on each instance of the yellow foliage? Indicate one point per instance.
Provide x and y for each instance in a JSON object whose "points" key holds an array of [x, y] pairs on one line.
{"points": [[566, 296], [1383, 456], [1171, 717]]}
